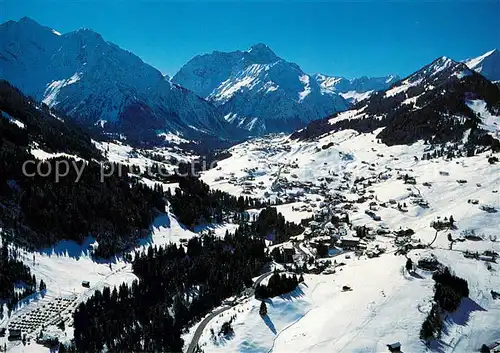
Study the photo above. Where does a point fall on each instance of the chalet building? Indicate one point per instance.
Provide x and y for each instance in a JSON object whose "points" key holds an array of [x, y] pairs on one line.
{"points": [[394, 347], [86, 284], [349, 243]]}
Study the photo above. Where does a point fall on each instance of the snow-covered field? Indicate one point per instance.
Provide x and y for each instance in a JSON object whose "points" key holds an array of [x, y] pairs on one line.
{"points": [[386, 305]]}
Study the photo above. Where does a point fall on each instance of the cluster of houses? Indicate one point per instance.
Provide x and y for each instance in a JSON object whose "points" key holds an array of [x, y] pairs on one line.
{"points": [[330, 225], [487, 255], [246, 182], [323, 231]]}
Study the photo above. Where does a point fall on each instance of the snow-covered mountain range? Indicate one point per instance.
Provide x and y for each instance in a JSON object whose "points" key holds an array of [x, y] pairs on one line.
{"points": [[356, 89], [99, 83], [258, 90], [436, 103], [103, 85], [487, 64]]}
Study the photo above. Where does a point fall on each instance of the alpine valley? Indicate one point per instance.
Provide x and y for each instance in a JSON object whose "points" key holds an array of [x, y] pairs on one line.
{"points": [[244, 205]]}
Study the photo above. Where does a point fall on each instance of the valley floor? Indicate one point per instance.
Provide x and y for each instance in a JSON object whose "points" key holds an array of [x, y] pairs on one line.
{"points": [[386, 304]]}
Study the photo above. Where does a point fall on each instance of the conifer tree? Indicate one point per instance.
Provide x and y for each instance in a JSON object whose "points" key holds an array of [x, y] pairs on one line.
{"points": [[263, 309], [409, 265]]}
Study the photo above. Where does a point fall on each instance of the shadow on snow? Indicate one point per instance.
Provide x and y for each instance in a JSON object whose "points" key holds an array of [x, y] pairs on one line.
{"points": [[460, 317], [269, 323], [72, 249]]}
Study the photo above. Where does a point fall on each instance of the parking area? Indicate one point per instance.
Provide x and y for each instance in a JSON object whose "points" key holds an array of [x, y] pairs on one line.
{"points": [[49, 311]]}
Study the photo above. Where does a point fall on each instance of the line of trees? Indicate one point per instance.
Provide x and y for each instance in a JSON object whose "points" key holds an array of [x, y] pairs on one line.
{"points": [[14, 274], [273, 226], [449, 290], [278, 284], [193, 202]]}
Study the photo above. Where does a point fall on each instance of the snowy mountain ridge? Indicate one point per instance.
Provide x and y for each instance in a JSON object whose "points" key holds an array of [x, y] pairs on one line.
{"points": [[356, 89], [431, 104], [487, 64], [105, 86], [97, 82]]}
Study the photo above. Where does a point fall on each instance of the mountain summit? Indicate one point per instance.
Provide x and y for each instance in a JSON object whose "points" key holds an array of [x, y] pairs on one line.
{"points": [[261, 53], [487, 64], [101, 84], [257, 90]]}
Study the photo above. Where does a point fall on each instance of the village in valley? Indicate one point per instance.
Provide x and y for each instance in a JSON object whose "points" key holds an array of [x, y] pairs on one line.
{"points": [[359, 204], [380, 209]]}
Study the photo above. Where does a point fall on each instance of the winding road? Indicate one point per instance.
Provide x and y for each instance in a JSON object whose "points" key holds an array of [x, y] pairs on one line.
{"points": [[261, 278], [300, 251], [204, 323], [201, 327]]}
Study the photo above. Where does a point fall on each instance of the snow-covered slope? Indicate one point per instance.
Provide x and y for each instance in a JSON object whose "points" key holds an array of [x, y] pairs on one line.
{"points": [[65, 265], [356, 89], [487, 64], [386, 304], [257, 90], [97, 82]]}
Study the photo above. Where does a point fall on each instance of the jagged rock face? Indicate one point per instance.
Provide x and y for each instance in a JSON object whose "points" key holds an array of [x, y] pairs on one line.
{"points": [[487, 65], [99, 83], [257, 90]]}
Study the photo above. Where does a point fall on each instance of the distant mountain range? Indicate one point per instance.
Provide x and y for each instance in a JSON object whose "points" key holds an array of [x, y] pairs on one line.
{"points": [[213, 96], [445, 101], [357, 89]]}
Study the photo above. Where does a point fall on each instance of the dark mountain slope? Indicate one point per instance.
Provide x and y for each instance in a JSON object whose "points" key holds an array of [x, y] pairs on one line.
{"points": [[37, 210]]}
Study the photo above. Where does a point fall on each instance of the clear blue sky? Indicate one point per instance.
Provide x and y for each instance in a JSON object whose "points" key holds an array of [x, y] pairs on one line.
{"points": [[349, 38]]}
